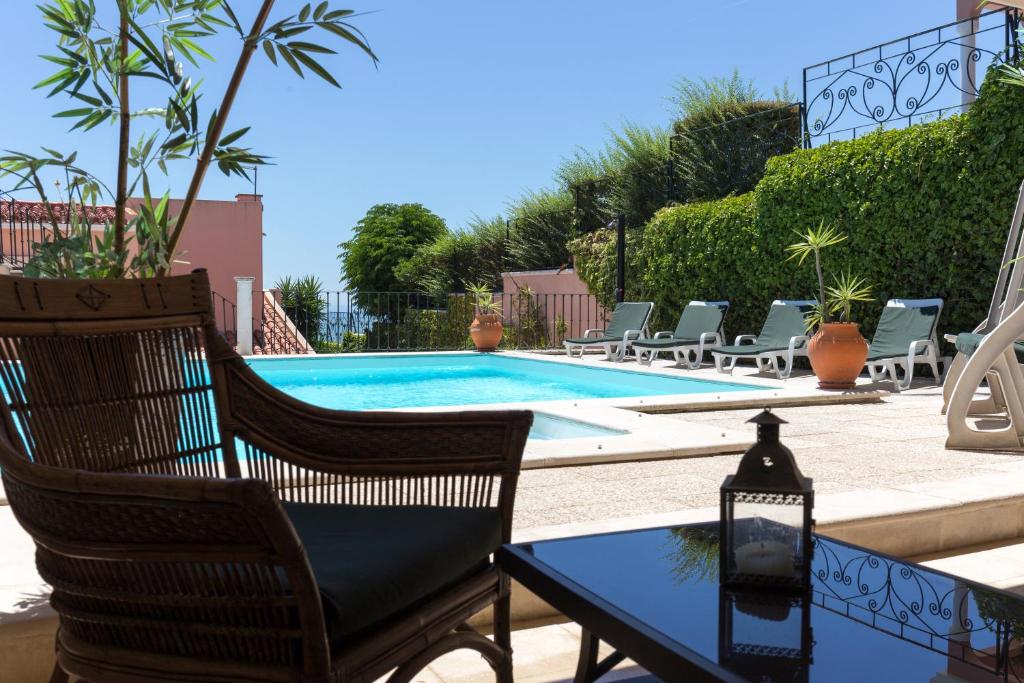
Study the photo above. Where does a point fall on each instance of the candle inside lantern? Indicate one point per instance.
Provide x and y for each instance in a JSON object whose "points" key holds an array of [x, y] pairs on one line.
{"points": [[765, 558]]}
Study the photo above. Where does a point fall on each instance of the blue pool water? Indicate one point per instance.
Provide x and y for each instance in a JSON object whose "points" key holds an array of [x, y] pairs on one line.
{"points": [[411, 381]]}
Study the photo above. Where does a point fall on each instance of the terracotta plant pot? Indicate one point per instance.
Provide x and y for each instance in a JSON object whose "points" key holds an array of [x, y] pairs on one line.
{"points": [[837, 353], [486, 331]]}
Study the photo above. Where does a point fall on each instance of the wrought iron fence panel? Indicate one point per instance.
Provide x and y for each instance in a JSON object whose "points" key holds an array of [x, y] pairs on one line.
{"points": [[347, 322], [909, 80]]}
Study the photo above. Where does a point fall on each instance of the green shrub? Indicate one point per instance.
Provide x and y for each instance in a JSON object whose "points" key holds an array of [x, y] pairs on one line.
{"points": [[303, 301], [722, 151], [351, 342], [926, 209]]}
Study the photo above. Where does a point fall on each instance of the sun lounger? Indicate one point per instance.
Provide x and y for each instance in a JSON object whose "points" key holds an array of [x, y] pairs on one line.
{"points": [[783, 336], [699, 328], [628, 323]]}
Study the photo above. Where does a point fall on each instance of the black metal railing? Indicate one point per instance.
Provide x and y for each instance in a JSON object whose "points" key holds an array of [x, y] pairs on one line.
{"points": [[347, 322], [909, 80], [19, 231]]}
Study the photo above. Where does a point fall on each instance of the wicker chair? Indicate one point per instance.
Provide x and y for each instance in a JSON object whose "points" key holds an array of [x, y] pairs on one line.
{"points": [[196, 524]]}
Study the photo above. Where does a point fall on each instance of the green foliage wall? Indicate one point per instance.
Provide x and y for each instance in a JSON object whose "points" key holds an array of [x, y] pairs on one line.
{"points": [[722, 151], [926, 209]]}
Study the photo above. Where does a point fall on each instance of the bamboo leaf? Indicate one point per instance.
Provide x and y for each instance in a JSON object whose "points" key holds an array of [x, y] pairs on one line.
{"points": [[316, 68], [69, 113], [228, 139], [342, 32], [304, 12], [318, 13], [268, 48], [310, 47], [287, 56]]}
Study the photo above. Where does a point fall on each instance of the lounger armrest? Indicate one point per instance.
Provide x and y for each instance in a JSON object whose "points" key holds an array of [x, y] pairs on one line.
{"points": [[919, 345], [371, 443], [798, 341], [599, 330], [712, 337], [744, 339], [633, 334], [663, 333]]}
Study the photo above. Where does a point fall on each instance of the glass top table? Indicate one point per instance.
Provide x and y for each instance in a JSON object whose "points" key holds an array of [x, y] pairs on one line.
{"points": [[654, 595]]}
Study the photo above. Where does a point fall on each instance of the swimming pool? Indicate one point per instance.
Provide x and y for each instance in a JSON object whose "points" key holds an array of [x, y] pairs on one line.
{"points": [[422, 380]]}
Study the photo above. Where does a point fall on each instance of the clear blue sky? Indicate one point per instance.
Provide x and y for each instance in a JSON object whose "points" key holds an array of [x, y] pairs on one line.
{"points": [[474, 102]]}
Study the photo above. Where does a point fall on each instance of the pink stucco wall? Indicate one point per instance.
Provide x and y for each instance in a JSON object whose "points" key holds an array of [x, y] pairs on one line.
{"points": [[558, 294], [226, 238]]}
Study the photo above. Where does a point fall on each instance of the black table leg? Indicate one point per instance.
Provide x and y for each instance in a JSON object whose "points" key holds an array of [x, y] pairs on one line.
{"points": [[588, 669], [586, 666]]}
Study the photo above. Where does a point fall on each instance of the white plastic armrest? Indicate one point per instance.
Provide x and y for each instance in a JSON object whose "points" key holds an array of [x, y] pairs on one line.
{"points": [[633, 334], [705, 337], [595, 329], [663, 333], [919, 344], [745, 338], [798, 341]]}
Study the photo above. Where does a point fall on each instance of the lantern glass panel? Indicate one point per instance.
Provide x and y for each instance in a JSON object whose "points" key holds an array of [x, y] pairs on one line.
{"points": [[767, 538]]}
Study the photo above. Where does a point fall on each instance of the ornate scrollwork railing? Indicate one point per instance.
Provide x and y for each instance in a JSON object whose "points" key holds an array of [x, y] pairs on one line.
{"points": [[953, 617], [905, 81]]}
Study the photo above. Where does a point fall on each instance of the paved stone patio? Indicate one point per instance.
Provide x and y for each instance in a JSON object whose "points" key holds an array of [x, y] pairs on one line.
{"points": [[897, 441]]}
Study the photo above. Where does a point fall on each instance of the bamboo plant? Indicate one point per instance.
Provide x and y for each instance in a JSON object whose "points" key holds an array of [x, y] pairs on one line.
{"points": [[101, 55]]}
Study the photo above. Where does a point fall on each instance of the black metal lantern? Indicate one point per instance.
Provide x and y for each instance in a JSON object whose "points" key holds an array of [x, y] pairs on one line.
{"points": [[766, 519], [764, 636]]}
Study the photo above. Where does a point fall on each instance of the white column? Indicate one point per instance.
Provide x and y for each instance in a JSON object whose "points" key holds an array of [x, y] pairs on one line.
{"points": [[968, 73], [243, 313]]}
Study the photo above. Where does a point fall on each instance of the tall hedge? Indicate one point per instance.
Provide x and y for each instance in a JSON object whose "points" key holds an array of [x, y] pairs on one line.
{"points": [[926, 209]]}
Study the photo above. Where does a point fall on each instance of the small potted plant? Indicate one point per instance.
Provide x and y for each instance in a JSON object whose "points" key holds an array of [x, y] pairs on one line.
{"points": [[486, 328], [837, 350]]}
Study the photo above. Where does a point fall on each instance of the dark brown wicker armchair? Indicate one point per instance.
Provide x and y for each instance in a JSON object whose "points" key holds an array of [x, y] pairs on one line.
{"points": [[197, 524]]}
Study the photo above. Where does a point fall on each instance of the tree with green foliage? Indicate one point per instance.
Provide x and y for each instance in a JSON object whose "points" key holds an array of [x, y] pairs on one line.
{"points": [[101, 55], [382, 241]]}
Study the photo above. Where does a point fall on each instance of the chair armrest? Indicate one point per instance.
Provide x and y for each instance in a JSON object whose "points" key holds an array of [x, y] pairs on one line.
{"points": [[706, 337], [633, 334], [599, 330], [236, 528], [919, 345], [798, 341], [370, 443], [663, 333], [744, 338]]}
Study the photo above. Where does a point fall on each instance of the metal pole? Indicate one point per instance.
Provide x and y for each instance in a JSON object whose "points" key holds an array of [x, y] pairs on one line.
{"points": [[620, 258]]}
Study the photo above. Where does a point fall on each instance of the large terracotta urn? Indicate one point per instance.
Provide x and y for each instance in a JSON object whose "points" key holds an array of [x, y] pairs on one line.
{"points": [[486, 331], [837, 353]]}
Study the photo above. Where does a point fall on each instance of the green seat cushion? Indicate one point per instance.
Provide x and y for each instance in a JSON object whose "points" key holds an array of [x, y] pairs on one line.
{"points": [[696, 320], [628, 315], [898, 327], [373, 562], [967, 343], [664, 343], [784, 322], [748, 349], [595, 340]]}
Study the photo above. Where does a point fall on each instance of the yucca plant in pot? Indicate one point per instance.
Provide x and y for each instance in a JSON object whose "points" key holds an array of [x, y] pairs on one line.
{"points": [[486, 328], [837, 349]]}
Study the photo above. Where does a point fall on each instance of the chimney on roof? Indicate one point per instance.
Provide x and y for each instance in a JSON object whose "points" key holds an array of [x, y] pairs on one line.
{"points": [[249, 198]]}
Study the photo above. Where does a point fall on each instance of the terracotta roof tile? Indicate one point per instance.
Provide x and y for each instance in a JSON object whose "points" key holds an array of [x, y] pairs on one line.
{"points": [[36, 212]]}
